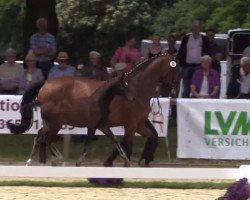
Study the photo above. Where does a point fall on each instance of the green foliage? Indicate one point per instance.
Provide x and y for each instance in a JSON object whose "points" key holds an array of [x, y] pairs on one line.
{"points": [[105, 15], [178, 18], [11, 24], [103, 24], [100, 24], [233, 14]]}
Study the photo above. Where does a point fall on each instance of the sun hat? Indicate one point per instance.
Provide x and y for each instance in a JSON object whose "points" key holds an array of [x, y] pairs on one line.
{"points": [[63, 56], [94, 53], [120, 66]]}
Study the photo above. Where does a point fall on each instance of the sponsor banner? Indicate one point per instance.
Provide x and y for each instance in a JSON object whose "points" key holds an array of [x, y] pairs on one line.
{"points": [[213, 128], [10, 105]]}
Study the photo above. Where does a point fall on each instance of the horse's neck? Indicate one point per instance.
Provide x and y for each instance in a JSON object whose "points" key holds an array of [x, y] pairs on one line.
{"points": [[146, 83]]}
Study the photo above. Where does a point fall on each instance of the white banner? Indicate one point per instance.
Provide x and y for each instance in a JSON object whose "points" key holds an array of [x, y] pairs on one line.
{"points": [[9, 111], [213, 128]]}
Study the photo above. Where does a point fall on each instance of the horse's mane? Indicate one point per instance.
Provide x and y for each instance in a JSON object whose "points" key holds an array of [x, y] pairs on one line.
{"points": [[139, 66], [144, 63]]}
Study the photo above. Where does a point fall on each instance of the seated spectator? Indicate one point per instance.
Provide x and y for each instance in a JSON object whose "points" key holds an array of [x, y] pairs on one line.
{"points": [[215, 50], [10, 73], [31, 75], [205, 81], [63, 68], [95, 70], [245, 78], [171, 45], [128, 54], [155, 49]]}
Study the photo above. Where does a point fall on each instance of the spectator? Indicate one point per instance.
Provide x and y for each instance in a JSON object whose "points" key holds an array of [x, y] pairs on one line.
{"points": [[193, 46], [128, 54], [239, 84], [205, 81], [171, 45], [31, 74], [215, 50], [43, 45], [95, 70], [10, 73], [63, 68], [155, 49], [245, 78]]}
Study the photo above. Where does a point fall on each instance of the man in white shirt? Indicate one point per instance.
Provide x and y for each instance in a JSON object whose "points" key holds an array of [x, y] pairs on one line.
{"points": [[193, 46]]}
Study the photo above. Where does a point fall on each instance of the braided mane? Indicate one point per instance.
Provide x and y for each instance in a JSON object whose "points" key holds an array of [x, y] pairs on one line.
{"points": [[144, 63], [139, 66]]}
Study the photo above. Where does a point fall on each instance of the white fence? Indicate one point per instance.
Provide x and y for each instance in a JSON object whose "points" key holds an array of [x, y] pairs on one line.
{"points": [[122, 172]]}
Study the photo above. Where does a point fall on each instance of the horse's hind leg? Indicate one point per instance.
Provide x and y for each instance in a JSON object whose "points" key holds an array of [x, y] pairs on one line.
{"points": [[89, 138], [151, 144], [48, 135], [118, 150], [126, 144], [36, 144]]}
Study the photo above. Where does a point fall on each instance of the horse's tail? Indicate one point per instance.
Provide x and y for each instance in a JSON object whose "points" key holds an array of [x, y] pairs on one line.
{"points": [[26, 109]]}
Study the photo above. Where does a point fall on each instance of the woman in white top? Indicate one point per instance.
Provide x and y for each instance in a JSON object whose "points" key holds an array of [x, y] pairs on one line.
{"points": [[205, 81], [31, 75]]}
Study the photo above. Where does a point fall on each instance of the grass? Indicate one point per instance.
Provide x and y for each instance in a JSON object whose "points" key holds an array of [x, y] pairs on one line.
{"points": [[16, 148], [138, 184]]}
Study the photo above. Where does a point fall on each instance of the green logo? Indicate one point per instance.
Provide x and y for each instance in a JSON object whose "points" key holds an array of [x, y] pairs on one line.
{"points": [[238, 122]]}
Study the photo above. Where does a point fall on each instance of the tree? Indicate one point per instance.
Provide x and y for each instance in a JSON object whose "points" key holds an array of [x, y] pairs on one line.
{"points": [[11, 25], [178, 18], [233, 14], [100, 24]]}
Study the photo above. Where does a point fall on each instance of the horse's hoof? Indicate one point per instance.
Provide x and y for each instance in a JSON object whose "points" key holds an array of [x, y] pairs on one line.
{"points": [[139, 162], [78, 164], [143, 164], [42, 164], [127, 164], [107, 164]]}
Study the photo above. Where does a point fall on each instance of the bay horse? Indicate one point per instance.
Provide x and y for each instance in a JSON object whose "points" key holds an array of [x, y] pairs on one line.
{"points": [[72, 101], [133, 115]]}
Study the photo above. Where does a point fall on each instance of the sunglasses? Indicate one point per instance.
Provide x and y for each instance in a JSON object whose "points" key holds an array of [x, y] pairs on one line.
{"points": [[63, 61]]}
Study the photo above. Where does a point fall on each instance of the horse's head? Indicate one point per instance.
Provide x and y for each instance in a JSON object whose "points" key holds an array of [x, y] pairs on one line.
{"points": [[170, 74]]}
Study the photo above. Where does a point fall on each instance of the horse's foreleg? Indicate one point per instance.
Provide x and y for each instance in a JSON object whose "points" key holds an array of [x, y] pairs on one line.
{"points": [[87, 141], [151, 144]]}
